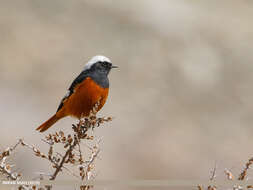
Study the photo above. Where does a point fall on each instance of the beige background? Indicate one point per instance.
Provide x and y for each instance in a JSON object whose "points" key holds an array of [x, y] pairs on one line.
{"points": [[182, 97]]}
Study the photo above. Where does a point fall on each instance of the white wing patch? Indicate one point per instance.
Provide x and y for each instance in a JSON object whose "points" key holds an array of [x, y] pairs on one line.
{"points": [[66, 95]]}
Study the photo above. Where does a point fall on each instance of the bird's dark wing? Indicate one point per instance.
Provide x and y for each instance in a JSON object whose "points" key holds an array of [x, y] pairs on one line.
{"points": [[80, 78], [62, 101]]}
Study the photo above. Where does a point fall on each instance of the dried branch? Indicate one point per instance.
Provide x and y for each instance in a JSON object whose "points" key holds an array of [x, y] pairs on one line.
{"points": [[59, 167], [5, 168], [61, 161], [230, 176], [244, 171]]}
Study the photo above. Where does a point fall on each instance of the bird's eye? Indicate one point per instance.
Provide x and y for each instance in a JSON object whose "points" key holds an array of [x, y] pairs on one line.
{"points": [[104, 64], [101, 64]]}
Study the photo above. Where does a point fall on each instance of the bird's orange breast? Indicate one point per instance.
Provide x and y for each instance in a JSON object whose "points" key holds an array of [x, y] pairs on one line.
{"points": [[85, 96]]}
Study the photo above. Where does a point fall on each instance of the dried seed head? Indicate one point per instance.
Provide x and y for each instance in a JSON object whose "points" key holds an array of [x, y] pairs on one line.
{"points": [[61, 133], [229, 174], [55, 139], [81, 168], [7, 168], [63, 139], [69, 139]]}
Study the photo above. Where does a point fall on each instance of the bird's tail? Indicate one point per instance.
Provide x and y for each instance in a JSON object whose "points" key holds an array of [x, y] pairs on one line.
{"points": [[48, 123]]}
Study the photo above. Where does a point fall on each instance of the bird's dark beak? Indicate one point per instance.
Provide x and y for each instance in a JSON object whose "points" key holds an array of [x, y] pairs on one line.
{"points": [[114, 66]]}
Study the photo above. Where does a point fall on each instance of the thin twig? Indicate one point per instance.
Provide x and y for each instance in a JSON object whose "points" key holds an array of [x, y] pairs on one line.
{"points": [[58, 169], [213, 172]]}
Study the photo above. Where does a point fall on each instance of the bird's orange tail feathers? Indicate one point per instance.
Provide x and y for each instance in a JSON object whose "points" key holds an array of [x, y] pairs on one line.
{"points": [[48, 123]]}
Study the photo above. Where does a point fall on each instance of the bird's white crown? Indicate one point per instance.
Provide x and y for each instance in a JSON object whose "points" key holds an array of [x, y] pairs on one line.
{"points": [[95, 59]]}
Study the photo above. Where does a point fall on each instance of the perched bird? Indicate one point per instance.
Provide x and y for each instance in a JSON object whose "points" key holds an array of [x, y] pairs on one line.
{"points": [[88, 89]]}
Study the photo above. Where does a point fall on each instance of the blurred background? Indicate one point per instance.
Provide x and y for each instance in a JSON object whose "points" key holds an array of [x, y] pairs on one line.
{"points": [[181, 98]]}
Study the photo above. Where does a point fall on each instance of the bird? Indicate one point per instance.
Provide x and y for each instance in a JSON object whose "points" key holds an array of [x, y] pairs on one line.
{"points": [[89, 88]]}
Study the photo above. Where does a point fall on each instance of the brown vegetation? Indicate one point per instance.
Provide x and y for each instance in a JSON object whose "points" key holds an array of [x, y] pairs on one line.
{"points": [[65, 161]]}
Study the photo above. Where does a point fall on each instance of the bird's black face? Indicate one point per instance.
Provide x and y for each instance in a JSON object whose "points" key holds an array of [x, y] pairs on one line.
{"points": [[102, 67], [98, 69]]}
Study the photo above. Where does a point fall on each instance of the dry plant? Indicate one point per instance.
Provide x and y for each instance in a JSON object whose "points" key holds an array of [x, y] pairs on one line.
{"points": [[71, 160], [229, 176]]}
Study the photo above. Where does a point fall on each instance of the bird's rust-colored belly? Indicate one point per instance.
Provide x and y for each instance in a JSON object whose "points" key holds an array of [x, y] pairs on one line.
{"points": [[84, 98]]}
